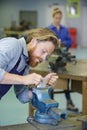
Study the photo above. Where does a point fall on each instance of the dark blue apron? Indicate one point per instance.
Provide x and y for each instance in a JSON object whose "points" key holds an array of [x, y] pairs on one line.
{"points": [[5, 88]]}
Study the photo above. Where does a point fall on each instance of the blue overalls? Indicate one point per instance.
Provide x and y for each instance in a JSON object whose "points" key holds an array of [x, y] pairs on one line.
{"points": [[5, 88]]}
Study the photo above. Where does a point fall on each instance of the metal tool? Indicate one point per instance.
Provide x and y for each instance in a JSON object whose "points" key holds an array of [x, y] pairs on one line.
{"points": [[42, 84], [47, 109]]}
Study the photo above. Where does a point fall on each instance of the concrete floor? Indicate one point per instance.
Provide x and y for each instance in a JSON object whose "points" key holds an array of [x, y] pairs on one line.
{"points": [[13, 112]]}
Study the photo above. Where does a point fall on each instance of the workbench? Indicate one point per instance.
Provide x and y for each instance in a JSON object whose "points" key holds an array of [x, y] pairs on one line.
{"points": [[9, 33], [76, 73], [69, 124]]}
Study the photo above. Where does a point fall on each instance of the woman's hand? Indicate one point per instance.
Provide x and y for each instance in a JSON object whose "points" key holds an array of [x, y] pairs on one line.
{"points": [[51, 78]]}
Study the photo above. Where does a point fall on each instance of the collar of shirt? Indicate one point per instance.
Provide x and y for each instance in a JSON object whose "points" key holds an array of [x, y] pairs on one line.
{"points": [[53, 26], [25, 52]]}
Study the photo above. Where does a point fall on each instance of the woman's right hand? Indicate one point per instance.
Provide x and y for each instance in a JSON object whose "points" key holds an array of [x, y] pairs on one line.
{"points": [[32, 79]]}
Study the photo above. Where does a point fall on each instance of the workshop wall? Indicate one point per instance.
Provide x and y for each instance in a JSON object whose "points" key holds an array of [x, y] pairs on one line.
{"points": [[9, 11]]}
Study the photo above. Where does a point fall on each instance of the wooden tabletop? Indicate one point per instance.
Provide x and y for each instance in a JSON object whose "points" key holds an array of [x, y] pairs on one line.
{"points": [[69, 124], [25, 126], [76, 71]]}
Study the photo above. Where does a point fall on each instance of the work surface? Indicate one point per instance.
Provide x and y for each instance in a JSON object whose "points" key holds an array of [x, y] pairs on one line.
{"points": [[69, 124], [76, 73]]}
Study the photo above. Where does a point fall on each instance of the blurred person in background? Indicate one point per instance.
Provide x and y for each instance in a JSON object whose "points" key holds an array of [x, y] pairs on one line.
{"points": [[64, 38]]}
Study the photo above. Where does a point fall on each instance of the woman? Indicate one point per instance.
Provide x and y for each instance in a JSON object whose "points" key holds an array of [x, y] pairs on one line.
{"points": [[64, 38]]}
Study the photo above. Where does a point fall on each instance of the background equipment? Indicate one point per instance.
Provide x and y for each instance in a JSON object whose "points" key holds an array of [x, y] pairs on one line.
{"points": [[64, 56]]}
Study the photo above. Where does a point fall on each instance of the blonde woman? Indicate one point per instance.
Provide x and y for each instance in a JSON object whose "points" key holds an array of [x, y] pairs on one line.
{"points": [[61, 31], [64, 37]]}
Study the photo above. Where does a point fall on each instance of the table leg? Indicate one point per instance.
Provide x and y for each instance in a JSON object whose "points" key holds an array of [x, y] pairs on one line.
{"points": [[31, 110], [84, 100]]}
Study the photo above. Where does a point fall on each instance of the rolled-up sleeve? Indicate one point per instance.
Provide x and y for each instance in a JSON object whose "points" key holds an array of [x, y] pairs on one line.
{"points": [[2, 72], [4, 61]]}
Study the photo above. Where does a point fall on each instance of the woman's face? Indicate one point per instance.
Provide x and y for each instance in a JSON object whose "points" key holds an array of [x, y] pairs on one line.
{"points": [[57, 19], [40, 51]]}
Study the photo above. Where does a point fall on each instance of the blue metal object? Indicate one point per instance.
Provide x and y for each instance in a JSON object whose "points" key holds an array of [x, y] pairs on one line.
{"points": [[42, 101], [44, 118], [47, 109]]}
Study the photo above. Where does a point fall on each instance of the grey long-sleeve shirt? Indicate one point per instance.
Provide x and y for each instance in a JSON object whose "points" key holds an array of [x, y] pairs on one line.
{"points": [[10, 51]]}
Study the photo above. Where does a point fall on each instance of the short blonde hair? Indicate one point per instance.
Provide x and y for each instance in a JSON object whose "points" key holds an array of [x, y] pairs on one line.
{"points": [[56, 11], [42, 34]]}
